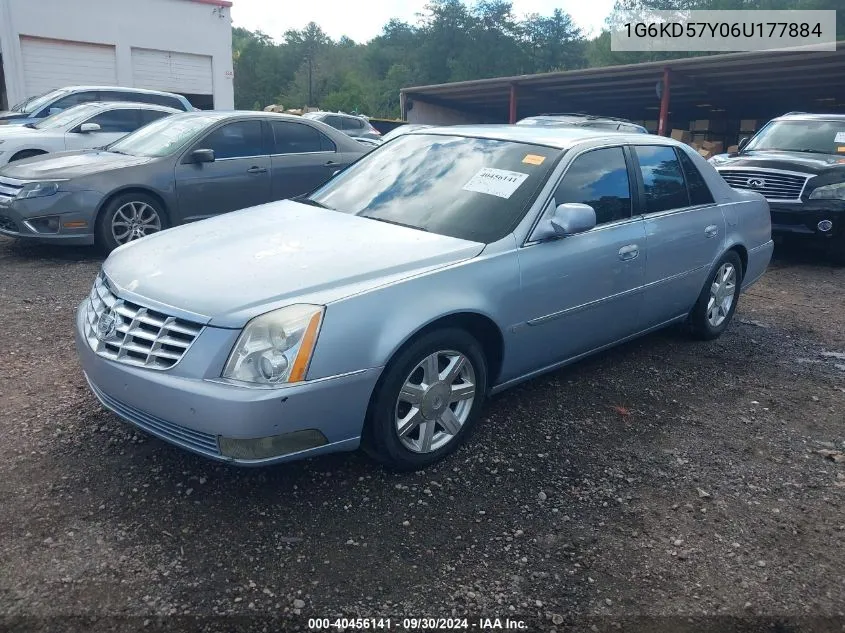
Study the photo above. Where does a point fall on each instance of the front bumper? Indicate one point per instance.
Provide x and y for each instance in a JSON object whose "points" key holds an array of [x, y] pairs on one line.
{"points": [[804, 219], [195, 413], [75, 208]]}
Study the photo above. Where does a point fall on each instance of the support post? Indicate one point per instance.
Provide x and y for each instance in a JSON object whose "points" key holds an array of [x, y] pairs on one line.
{"points": [[663, 123], [403, 105], [512, 109]]}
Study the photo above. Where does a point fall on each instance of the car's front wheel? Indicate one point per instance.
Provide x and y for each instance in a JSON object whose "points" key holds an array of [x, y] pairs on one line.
{"points": [[129, 217], [718, 299], [427, 400]]}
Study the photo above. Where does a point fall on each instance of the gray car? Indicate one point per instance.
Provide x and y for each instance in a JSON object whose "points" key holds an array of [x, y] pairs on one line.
{"points": [[184, 168], [383, 308]]}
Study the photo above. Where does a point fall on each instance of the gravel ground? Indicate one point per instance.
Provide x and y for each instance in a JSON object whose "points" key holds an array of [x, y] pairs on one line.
{"points": [[665, 485]]}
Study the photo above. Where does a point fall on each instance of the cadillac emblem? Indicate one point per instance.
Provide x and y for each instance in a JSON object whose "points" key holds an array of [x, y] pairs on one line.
{"points": [[107, 325]]}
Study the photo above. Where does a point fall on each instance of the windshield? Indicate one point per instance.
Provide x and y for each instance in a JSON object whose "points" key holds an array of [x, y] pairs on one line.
{"points": [[815, 136], [164, 136], [35, 103], [470, 188], [66, 117]]}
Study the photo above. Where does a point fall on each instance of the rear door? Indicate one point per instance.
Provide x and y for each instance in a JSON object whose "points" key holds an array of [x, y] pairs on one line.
{"points": [[114, 125], [238, 178], [303, 159], [685, 230]]}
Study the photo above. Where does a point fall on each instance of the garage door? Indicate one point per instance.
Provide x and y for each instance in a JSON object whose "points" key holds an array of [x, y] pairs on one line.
{"points": [[49, 64], [173, 72]]}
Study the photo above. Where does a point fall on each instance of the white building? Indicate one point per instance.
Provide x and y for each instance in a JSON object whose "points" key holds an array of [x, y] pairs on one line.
{"points": [[182, 46]]}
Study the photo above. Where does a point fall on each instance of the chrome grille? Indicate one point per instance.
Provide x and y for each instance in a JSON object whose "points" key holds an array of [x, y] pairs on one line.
{"points": [[774, 185], [131, 333], [9, 189]]}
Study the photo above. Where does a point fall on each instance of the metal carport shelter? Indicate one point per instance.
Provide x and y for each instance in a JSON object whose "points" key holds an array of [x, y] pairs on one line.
{"points": [[760, 84]]}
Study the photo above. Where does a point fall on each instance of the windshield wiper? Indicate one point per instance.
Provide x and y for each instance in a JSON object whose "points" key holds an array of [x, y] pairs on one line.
{"points": [[31, 126], [310, 202], [407, 226]]}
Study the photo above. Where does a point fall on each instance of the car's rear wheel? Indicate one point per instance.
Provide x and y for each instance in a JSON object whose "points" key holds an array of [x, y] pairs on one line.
{"points": [[427, 401], [129, 217], [717, 302], [27, 153]]}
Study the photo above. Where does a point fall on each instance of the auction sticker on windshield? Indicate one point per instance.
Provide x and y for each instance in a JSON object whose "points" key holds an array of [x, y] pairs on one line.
{"points": [[839, 138], [495, 182]]}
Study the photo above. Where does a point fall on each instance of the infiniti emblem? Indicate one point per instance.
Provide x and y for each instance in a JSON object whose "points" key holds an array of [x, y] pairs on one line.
{"points": [[757, 183], [107, 325]]}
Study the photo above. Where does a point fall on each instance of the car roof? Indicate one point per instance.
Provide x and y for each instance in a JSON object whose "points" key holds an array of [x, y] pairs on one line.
{"points": [[809, 116], [558, 137], [554, 116], [103, 105], [120, 89]]}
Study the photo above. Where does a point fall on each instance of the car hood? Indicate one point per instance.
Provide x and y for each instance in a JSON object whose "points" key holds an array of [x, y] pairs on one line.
{"points": [[789, 161], [7, 115], [227, 269], [7, 131], [67, 165]]}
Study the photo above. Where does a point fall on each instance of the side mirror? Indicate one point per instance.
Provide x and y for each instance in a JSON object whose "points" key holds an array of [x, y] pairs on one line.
{"points": [[87, 128], [200, 156], [567, 219], [571, 218], [53, 111], [742, 143]]}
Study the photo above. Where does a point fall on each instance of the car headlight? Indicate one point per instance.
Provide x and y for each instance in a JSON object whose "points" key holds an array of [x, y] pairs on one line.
{"points": [[836, 191], [38, 189], [275, 348]]}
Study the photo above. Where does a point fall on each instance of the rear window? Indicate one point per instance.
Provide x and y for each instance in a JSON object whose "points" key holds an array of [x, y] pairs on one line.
{"points": [[699, 192], [470, 188], [663, 179]]}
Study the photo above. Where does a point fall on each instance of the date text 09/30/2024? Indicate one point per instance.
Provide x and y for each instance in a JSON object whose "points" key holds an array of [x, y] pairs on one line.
{"points": [[416, 624]]}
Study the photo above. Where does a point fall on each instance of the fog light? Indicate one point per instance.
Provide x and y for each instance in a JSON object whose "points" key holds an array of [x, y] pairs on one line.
{"points": [[78, 224], [825, 225], [273, 446], [47, 224]]}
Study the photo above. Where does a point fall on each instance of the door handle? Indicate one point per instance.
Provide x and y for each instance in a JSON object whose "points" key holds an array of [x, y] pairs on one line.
{"points": [[330, 163], [256, 170], [711, 231], [629, 252]]}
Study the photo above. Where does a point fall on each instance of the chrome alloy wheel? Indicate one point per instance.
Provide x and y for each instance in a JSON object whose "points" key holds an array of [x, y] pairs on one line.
{"points": [[435, 401], [133, 221], [722, 292]]}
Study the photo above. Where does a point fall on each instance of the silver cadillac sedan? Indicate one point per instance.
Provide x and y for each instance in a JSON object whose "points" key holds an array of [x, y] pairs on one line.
{"points": [[382, 309]]}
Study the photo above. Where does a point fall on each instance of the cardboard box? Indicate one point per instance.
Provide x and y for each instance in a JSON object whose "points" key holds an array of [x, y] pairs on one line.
{"points": [[699, 138], [682, 135], [705, 153], [733, 149], [717, 147], [749, 125], [707, 125]]}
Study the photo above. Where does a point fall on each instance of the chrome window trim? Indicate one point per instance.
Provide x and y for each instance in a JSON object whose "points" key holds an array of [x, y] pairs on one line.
{"points": [[220, 160], [322, 151]]}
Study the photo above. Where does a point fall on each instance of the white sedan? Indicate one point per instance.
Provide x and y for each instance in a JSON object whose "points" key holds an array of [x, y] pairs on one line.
{"points": [[85, 126]]}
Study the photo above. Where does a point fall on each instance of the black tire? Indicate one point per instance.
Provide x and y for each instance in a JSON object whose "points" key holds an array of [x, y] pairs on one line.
{"points": [[381, 437], [27, 153], [105, 238], [700, 325]]}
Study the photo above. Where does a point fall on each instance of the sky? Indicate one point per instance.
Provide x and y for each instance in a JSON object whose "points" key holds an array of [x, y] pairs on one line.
{"points": [[363, 21]]}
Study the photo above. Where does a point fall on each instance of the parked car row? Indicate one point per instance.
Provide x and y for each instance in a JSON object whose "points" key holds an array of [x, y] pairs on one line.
{"points": [[186, 167]]}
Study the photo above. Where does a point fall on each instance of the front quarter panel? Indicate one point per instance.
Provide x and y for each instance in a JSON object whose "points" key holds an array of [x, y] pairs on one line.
{"points": [[366, 330]]}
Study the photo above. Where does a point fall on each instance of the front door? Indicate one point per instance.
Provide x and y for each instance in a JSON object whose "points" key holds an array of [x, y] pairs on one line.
{"points": [[685, 231], [238, 178], [303, 159], [583, 291]]}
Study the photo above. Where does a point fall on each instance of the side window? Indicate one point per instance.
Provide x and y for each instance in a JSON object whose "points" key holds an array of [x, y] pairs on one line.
{"points": [[235, 140], [120, 96], [297, 138], [148, 116], [663, 179], [699, 192], [71, 100], [117, 121], [598, 178], [352, 124], [334, 121]]}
